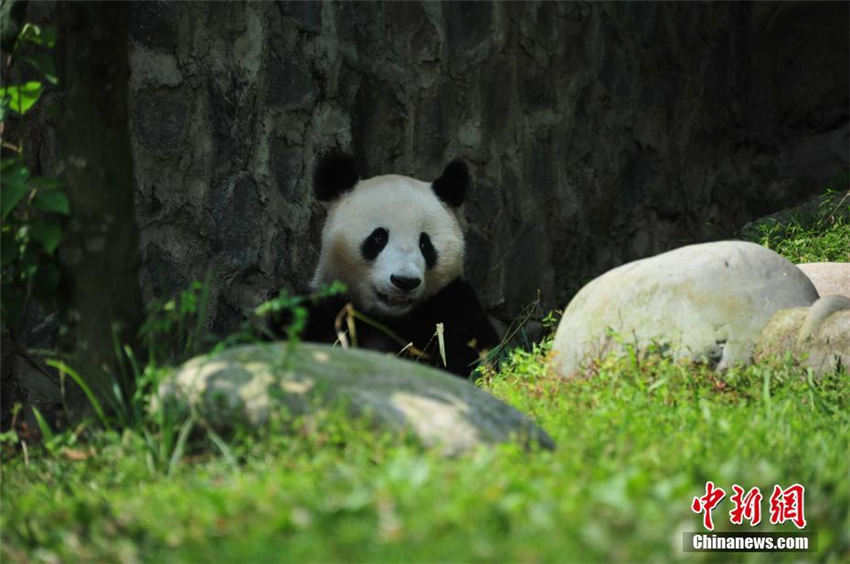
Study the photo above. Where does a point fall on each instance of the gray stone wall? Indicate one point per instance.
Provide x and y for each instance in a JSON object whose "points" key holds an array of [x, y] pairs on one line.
{"points": [[596, 133]]}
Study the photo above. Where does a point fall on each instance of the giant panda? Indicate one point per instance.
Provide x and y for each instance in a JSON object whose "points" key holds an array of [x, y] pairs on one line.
{"points": [[397, 245]]}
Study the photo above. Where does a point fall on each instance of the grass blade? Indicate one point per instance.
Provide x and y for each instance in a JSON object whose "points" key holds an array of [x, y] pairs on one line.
{"points": [[180, 446], [222, 446], [64, 368], [46, 432]]}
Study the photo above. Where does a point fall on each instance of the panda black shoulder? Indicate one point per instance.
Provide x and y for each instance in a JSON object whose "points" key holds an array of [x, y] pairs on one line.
{"points": [[455, 295], [458, 300], [465, 322]]}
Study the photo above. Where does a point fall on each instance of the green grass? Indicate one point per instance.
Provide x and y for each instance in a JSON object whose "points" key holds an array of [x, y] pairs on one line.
{"points": [[817, 232], [636, 442]]}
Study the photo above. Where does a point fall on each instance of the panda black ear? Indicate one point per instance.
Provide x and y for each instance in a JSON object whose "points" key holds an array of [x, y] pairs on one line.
{"points": [[452, 185], [336, 173]]}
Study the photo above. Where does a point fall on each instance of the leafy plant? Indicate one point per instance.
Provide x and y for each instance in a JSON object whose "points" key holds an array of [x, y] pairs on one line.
{"points": [[290, 310], [32, 208], [528, 329], [173, 330]]}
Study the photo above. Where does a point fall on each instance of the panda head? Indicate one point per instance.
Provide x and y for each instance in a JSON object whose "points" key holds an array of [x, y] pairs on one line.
{"points": [[393, 240]]}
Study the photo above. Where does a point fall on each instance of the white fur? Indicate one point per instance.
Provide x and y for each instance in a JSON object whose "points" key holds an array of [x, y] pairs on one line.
{"points": [[405, 207]]}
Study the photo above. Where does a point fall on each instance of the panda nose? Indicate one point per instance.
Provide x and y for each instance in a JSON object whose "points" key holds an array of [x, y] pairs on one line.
{"points": [[405, 283]]}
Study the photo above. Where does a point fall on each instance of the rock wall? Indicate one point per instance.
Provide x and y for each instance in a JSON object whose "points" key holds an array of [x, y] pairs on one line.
{"points": [[596, 133]]}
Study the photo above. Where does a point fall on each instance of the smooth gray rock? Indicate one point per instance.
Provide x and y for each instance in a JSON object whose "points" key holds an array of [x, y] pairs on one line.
{"points": [[708, 301], [829, 278], [246, 384]]}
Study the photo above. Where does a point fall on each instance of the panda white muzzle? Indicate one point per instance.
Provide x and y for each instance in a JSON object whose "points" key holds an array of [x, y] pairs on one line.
{"points": [[404, 283]]}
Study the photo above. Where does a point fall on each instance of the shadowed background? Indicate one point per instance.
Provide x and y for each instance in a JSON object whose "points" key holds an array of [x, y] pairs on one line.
{"points": [[596, 133]]}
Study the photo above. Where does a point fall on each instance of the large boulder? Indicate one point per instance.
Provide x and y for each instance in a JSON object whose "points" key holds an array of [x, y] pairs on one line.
{"points": [[246, 384], [704, 302], [818, 335], [829, 278]]}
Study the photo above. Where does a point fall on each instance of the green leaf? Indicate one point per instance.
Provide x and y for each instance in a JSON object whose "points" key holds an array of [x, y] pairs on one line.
{"points": [[9, 249], [48, 36], [48, 233], [51, 201], [44, 36], [14, 173], [10, 196], [43, 183], [29, 264], [22, 97], [43, 63], [31, 32], [13, 176]]}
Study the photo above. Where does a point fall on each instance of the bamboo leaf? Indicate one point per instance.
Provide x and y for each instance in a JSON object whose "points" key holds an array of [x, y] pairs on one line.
{"points": [[441, 341]]}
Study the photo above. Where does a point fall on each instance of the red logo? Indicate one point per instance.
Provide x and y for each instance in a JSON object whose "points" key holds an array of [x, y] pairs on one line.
{"points": [[706, 503], [787, 505], [746, 506]]}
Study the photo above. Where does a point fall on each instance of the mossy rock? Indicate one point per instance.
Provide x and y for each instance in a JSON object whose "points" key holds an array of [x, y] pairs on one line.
{"points": [[819, 336], [246, 385]]}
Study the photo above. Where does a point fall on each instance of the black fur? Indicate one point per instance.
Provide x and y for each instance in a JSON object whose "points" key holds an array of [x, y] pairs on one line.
{"points": [[429, 253], [374, 244], [452, 185], [336, 173], [456, 306]]}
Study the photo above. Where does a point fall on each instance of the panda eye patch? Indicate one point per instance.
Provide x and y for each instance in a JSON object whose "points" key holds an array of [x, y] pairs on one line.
{"points": [[374, 243], [428, 250]]}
